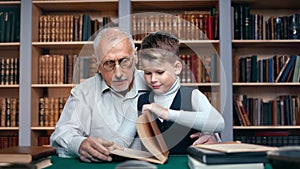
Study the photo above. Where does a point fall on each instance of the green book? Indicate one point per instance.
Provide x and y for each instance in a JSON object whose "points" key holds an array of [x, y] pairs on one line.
{"points": [[296, 73], [254, 73], [2, 24]]}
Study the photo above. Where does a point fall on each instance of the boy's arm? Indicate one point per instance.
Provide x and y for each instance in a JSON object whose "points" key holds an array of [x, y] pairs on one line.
{"points": [[205, 118]]}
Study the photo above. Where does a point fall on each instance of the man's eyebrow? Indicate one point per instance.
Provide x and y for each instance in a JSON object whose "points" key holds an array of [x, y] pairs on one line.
{"points": [[124, 57]]}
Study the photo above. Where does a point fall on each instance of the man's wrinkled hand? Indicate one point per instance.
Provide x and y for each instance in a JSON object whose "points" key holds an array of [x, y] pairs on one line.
{"points": [[95, 149]]}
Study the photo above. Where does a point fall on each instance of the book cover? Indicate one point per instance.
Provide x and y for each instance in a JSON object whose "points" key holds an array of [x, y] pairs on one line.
{"points": [[152, 140], [296, 70], [225, 153], [25, 154], [195, 164]]}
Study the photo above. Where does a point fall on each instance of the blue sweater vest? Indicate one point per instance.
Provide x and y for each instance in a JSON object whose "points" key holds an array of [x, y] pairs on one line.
{"points": [[177, 137]]}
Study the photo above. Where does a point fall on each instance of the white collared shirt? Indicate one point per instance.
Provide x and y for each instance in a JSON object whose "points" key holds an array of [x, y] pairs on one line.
{"points": [[93, 109]]}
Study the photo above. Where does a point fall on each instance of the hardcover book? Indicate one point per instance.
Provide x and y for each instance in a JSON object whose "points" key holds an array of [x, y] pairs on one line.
{"points": [[236, 153], [195, 164], [36, 155], [152, 140]]}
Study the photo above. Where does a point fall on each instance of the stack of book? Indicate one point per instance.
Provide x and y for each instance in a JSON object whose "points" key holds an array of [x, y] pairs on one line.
{"points": [[35, 157], [231, 156]]}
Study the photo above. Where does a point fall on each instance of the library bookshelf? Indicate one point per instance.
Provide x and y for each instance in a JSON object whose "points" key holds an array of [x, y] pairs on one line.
{"points": [[9, 72], [228, 48], [48, 10], [275, 120]]}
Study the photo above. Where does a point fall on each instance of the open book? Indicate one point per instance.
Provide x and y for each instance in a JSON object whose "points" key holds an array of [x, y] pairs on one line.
{"points": [[152, 140]]}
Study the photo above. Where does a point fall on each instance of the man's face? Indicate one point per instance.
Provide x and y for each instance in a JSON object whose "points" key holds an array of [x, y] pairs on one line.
{"points": [[117, 66]]}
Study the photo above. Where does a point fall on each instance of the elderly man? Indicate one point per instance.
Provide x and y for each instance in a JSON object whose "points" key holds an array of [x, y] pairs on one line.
{"points": [[100, 113]]}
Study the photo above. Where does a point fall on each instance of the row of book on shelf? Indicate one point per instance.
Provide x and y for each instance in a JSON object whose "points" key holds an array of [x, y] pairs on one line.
{"points": [[270, 140], [9, 70], [284, 110], [198, 69], [68, 68], [8, 141], [9, 112], [56, 69], [252, 25], [12, 140], [9, 23], [65, 68], [201, 69], [278, 68], [188, 25], [69, 27], [50, 109]]}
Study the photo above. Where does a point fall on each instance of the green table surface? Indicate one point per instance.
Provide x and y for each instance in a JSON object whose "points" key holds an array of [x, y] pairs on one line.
{"points": [[174, 162]]}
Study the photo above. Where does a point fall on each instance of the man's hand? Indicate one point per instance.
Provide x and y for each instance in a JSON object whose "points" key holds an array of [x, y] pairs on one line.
{"points": [[156, 109], [96, 150], [203, 138]]}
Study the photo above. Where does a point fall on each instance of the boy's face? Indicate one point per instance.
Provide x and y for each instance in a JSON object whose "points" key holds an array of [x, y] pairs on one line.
{"points": [[160, 76]]}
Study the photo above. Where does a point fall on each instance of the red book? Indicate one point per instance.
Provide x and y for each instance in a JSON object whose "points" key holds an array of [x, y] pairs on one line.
{"points": [[210, 27]]}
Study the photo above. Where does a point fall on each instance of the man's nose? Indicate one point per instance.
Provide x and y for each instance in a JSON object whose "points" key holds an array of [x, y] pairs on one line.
{"points": [[118, 71]]}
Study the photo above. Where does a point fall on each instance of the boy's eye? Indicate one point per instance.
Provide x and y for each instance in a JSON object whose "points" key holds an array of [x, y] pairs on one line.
{"points": [[147, 73], [160, 72]]}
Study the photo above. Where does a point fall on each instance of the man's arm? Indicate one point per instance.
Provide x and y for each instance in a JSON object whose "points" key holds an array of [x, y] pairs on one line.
{"points": [[71, 135]]}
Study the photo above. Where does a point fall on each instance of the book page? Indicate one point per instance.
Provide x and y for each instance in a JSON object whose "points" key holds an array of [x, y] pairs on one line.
{"points": [[151, 138], [236, 148], [136, 154]]}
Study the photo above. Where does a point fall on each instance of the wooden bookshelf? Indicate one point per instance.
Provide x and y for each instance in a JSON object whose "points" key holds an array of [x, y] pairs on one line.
{"points": [[265, 127], [224, 46], [9, 82], [95, 10], [265, 49]]}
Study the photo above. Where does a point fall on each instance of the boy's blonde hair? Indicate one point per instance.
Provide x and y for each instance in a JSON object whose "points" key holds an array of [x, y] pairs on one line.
{"points": [[160, 46]]}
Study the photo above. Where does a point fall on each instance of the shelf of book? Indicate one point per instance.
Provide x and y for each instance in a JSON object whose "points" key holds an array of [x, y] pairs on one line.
{"points": [[62, 45], [9, 72], [172, 5], [265, 55], [265, 127], [237, 84], [54, 45], [10, 2], [201, 84], [10, 44], [53, 85], [285, 136], [265, 43], [42, 128], [76, 5], [10, 86], [62, 35], [9, 128]]}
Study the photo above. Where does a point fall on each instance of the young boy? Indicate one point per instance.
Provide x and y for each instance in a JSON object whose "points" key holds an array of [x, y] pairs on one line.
{"points": [[181, 111]]}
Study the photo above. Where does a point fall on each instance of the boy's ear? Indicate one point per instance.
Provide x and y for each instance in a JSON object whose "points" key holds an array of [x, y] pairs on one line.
{"points": [[178, 67]]}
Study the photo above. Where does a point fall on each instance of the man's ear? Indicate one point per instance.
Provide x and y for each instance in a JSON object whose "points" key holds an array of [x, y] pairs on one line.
{"points": [[135, 56], [178, 67]]}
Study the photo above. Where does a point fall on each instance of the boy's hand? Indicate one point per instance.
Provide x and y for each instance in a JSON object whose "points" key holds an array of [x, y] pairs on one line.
{"points": [[203, 138], [156, 109]]}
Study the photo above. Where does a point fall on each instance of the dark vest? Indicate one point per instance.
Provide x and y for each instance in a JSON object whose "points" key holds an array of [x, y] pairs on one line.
{"points": [[177, 137]]}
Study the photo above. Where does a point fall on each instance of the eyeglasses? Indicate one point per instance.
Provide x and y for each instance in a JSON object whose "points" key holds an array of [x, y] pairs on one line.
{"points": [[124, 63]]}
